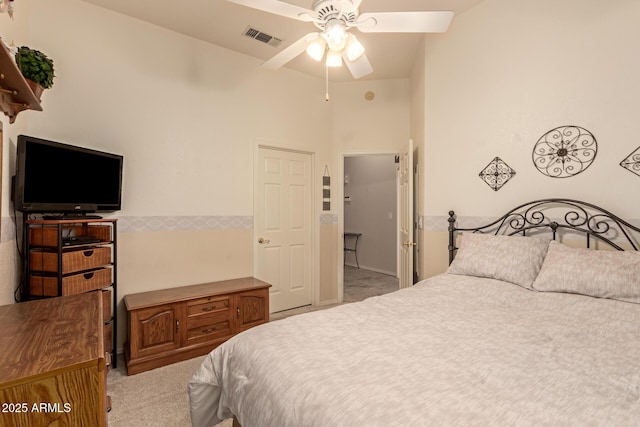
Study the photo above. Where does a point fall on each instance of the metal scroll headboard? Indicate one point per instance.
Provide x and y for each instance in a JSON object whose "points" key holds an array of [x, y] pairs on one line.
{"points": [[557, 216]]}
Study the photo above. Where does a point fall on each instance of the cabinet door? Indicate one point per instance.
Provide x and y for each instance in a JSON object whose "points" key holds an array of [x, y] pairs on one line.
{"points": [[252, 308], [155, 329]]}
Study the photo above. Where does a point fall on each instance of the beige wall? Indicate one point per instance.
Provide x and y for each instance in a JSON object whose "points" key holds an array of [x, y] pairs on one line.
{"points": [[187, 116], [360, 126], [417, 128], [164, 259], [11, 31], [377, 126], [328, 291], [507, 72]]}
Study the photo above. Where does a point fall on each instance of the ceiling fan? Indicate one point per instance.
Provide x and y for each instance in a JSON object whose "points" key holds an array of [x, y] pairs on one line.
{"points": [[334, 18]]}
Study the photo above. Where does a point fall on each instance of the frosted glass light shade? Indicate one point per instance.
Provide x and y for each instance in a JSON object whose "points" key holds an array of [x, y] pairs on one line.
{"points": [[335, 34], [316, 48], [334, 59], [354, 48]]}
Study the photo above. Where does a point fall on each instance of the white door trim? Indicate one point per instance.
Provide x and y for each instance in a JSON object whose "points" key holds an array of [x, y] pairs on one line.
{"points": [[314, 212], [340, 205], [406, 222]]}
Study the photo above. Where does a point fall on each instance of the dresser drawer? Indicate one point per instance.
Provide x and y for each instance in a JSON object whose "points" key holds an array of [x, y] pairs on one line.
{"points": [[72, 261], [73, 284], [209, 332], [209, 305]]}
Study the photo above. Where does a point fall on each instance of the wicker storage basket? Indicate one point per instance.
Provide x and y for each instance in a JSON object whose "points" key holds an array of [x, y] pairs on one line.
{"points": [[47, 286], [72, 261]]}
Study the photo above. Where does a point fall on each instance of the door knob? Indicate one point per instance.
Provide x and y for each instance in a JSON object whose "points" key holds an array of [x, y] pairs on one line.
{"points": [[263, 241]]}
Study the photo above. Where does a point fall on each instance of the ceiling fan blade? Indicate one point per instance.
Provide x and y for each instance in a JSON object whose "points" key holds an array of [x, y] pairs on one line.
{"points": [[289, 52], [281, 8], [358, 68], [405, 22]]}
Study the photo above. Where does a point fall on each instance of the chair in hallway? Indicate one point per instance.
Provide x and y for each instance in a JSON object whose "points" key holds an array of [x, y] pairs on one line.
{"points": [[353, 239]]}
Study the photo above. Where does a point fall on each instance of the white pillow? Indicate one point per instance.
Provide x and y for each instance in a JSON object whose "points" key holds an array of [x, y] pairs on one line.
{"points": [[514, 259], [601, 274]]}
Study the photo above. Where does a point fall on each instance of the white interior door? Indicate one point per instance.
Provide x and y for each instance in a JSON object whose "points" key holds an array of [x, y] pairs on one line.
{"points": [[283, 233], [405, 223]]}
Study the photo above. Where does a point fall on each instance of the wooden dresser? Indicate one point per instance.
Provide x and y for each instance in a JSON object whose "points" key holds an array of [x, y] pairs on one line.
{"points": [[170, 325], [53, 366]]}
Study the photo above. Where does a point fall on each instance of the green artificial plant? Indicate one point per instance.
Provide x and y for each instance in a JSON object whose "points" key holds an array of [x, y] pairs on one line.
{"points": [[36, 66]]}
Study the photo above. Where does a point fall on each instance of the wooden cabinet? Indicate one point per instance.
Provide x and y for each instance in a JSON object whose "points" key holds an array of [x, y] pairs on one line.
{"points": [[53, 365], [68, 257], [170, 325]]}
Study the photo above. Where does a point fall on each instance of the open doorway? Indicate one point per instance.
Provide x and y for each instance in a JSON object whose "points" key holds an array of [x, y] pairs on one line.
{"points": [[370, 226]]}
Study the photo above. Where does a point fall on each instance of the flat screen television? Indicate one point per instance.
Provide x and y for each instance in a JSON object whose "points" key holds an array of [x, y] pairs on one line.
{"points": [[52, 177]]}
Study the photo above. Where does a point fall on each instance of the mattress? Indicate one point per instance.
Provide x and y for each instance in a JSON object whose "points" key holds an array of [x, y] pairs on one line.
{"points": [[452, 350]]}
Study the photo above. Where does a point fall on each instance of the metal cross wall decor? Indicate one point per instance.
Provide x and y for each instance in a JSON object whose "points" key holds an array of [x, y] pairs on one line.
{"points": [[497, 173], [632, 162]]}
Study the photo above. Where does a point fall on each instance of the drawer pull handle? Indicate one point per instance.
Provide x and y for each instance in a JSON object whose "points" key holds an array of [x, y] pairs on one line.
{"points": [[88, 276], [208, 308], [206, 331], [87, 253]]}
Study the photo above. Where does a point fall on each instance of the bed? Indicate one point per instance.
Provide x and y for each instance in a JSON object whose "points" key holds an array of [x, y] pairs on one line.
{"points": [[523, 329]]}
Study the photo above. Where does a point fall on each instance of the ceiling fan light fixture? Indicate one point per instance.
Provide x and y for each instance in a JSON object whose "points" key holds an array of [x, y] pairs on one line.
{"points": [[335, 19], [316, 48], [335, 34], [334, 59], [353, 48]]}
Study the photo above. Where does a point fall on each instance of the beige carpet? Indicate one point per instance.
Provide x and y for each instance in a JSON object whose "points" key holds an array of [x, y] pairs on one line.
{"points": [[154, 398], [158, 398], [360, 284]]}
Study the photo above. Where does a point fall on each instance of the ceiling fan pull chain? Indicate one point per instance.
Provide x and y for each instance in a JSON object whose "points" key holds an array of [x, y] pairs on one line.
{"points": [[326, 71]]}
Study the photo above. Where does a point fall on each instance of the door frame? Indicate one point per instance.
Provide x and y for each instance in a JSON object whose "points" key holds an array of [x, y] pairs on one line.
{"points": [[340, 209], [314, 216]]}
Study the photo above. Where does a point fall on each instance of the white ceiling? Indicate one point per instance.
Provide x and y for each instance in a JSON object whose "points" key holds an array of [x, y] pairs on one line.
{"points": [[223, 23]]}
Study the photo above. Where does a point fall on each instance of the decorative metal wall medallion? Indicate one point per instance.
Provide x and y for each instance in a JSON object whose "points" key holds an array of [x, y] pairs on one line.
{"points": [[497, 173], [632, 162], [565, 151]]}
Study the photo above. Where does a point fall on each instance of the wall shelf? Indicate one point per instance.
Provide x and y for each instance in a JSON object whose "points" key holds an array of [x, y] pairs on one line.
{"points": [[15, 94]]}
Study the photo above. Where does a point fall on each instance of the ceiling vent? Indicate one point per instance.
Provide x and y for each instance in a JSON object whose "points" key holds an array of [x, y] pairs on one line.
{"points": [[262, 37]]}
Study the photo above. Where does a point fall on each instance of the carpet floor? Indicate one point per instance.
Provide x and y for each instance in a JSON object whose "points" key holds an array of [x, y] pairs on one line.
{"points": [[360, 284], [159, 397]]}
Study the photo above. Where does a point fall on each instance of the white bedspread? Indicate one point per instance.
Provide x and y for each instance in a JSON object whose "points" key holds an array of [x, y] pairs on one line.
{"points": [[454, 351]]}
